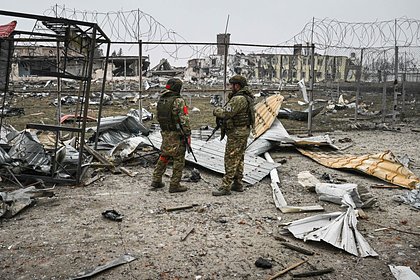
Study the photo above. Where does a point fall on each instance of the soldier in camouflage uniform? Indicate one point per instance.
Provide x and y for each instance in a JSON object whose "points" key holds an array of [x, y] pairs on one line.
{"points": [[238, 119], [172, 114]]}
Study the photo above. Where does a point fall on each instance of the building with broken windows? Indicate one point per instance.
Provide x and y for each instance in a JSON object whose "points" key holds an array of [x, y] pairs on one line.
{"points": [[276, 68], [33, 60]]}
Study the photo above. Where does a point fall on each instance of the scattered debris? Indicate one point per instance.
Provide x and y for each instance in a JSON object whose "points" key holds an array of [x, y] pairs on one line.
{"points": [[73, 118], [13, 202], [384, 165], [278, 196], [263, 263], [209, 156], [335, 192], [337, 228], [121, 260], [403, 273], [181, 207], [293, 266], [112, 215], [93, 179], [382, 186], [297, 248], [411, 198], [188, 233], [392, 228], [312, 273], [285, 113], [307, 180], [11, 112], [194, 177], [301, 209], [145, 115], [302, 89], [275, 180]]}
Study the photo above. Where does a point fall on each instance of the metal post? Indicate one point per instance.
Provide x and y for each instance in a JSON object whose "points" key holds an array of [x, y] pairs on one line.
{"points": [[403, 93], [102, 96], [140, 67], [311, 89], [58, 87], [395, 105], [140, 80], [384, 90], [225, 72], [281, 72], [404, 77], [86, 101], [359, 75], [125, 73]]}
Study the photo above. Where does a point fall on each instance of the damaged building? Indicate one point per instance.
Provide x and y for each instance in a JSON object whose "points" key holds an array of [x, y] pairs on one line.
{"points": [[34, 60], [286, 68]]}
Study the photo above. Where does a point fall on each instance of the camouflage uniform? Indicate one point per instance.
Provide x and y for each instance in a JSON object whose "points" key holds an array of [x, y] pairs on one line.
{"points": [[173, 141], [238, 123]]}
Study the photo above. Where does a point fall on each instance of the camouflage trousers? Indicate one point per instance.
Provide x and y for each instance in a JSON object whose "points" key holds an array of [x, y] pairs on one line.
{"points": [[234, 156], [173, 147]]}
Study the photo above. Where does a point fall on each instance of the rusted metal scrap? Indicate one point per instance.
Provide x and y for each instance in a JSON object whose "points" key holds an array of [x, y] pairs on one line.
{"points": [[384, 166], [266, 112]]}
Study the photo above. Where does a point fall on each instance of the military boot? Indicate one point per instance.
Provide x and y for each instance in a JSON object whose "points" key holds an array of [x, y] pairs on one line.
{"points": [[157, 185], [220, 192], [177, 188], [237, 187]]}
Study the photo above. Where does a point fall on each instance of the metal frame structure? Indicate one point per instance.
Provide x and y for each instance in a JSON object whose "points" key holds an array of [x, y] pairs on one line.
{"points": [[78, 37]]}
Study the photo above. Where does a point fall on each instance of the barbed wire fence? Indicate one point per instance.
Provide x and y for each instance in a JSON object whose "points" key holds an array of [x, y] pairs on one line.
{"points": [[379, 59], [383, 61]]}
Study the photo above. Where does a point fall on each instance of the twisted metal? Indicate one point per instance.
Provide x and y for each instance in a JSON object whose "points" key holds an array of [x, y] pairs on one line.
{"points": [[132, 26], [325, 33]]}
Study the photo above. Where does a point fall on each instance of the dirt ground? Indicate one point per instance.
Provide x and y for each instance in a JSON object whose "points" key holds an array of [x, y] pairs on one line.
{"points": [[219, 237]]}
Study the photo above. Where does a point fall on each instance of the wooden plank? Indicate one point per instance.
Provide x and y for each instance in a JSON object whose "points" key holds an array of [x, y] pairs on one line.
{"points": [[299, 209], [181, 207], [297, 248], [188, 233], [312, 273], [293, 266]]}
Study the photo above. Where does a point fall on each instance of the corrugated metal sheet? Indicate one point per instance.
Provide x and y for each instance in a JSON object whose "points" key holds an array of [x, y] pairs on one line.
{"points": [[384, 166], [210, 155], [338, 229], [266, 112], [27, 149], [277, 134]]}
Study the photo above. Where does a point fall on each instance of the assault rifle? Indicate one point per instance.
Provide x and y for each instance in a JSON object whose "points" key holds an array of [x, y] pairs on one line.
{"points": [[219, 124], [189, 149]]}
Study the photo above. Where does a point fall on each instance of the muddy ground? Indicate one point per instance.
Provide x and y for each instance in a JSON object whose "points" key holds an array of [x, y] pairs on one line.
{"points": [[219, 237]]}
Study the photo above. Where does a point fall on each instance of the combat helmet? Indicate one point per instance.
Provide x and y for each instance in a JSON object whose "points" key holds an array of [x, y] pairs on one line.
{"points": [[174, 85], [238, 79]]}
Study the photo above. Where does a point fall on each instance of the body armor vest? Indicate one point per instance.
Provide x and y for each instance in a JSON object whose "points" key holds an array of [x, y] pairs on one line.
{"points": [[164, 110], [246, 117]]}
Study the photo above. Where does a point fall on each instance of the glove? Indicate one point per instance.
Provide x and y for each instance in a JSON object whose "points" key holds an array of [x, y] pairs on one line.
{"points": [[217, 111]]}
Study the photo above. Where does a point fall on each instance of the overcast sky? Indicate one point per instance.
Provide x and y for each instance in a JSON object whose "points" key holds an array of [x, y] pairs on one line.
{"points": [[257, 22]]}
